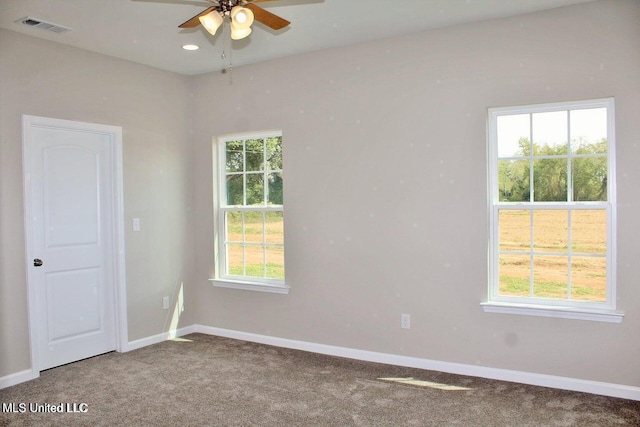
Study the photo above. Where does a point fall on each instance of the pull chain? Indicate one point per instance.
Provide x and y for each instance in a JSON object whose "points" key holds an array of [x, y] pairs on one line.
{"points": [[223, 56], [230, 66], [224, 44]]}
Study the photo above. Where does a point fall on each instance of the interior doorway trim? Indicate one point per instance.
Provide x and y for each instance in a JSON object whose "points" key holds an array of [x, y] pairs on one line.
{"points": [[114, 134]]}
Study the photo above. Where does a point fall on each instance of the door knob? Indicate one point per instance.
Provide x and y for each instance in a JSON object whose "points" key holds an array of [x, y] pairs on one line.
{"points": [[37, 262]]}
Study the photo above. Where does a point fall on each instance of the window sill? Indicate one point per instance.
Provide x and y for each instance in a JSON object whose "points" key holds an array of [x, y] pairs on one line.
{"points": [[247, 286], [594, 315]]}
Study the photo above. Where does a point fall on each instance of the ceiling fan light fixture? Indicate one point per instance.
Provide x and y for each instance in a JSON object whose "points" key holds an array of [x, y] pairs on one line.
{"points": [[211, 21], [241, 17], [239, 33]]}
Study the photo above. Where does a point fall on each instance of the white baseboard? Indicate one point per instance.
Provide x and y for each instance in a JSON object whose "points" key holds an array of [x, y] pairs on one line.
{"points": [[543, 380], [155, 339], [18, 377]]}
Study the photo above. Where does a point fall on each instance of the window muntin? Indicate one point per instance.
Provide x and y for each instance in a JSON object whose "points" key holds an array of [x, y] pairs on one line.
{"points": [[552, 204], [250, 209]]}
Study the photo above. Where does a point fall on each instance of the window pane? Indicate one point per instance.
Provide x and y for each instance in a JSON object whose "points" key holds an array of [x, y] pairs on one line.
{"points": [[515, 230], [274, 153], [235, 190], [255, 154], [235, 260], [274, 227], [234, 156], [275, 188], [550, 276], [515, 272], [513, 180], [255, 189], [550, 132], [253, 227], [275, 263], [589, 179], [589, 231], [550, 180], [589, 279], [254, 261], [513, 135], [550, 230], [589, 130], [234, 226]]}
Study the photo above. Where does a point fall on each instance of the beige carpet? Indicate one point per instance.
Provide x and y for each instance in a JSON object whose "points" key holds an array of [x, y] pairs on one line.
{"points": [[202, 380]]}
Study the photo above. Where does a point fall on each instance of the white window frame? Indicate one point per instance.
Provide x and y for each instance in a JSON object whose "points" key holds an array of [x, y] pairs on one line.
{"points": [[547, 307], [221, 279]]}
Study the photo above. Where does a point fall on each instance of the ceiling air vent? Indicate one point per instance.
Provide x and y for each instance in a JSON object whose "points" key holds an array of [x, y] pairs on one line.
{"points": [[43, 25]]}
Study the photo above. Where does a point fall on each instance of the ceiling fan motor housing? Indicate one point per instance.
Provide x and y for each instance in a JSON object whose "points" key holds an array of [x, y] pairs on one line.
{"points": [[225, 6]]}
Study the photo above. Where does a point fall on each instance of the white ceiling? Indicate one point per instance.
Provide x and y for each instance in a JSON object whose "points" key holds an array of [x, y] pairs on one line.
{"points": [[146, 31]]}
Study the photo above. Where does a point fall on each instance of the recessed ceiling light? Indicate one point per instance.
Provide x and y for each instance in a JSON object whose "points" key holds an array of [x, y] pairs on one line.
{"points": [[190, 47]]}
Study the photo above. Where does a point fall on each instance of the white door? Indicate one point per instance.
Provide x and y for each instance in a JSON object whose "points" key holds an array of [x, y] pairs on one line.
{"points": [[70, 227]]}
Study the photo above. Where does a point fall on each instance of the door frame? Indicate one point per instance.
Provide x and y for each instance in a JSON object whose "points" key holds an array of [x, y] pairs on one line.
{"points": [[114, 134]]}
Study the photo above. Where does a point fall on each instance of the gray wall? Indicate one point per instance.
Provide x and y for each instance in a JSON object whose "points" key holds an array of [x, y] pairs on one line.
{"points": [[385, 188], [386, 201], [47, 79]]}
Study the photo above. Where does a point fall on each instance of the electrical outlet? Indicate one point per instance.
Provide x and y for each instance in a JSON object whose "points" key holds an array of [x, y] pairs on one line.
{"points": [[136, 224], [165, 303], [405, 321]]}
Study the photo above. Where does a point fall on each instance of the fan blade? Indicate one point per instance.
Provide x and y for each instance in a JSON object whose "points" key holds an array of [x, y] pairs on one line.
{"points": [[194, 22], [267, 18]]}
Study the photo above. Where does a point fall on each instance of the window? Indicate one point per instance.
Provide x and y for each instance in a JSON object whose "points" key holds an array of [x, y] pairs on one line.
{"points": [[249, 212], [552, 210]]}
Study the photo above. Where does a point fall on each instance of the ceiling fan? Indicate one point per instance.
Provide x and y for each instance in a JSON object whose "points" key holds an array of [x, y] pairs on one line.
{"points": [[241, 14]]}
